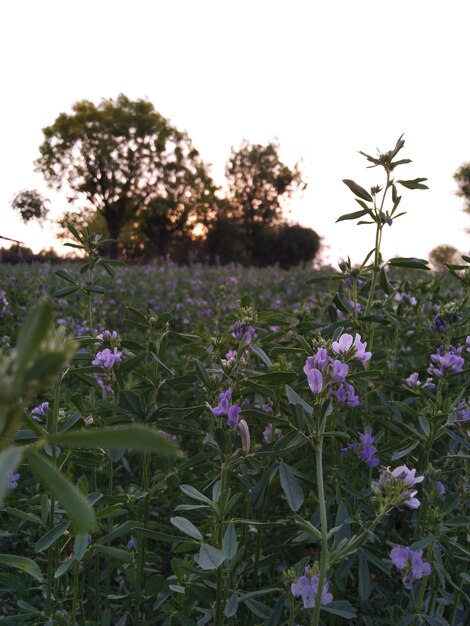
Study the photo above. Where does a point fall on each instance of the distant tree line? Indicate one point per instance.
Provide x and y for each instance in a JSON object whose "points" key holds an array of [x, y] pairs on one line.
{"points": [[140, 181]]}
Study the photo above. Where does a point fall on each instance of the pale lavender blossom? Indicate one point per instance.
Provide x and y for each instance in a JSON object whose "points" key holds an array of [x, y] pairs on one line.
{"points": [[222, 407], [406, 475], [346, 342], [268, 433], [411, 565], [315, 381], [233, 416], [346, 394], [306, 587], [339, 371], [413, 381], [107, 358], [131, 544], [440, 487], [41, 409], [446, 362], [13, 480], [107, 335], [363, 449], [231, 356]]}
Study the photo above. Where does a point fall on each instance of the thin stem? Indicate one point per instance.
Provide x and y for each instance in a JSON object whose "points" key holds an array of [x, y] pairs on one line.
{"points": [[323, 530]]}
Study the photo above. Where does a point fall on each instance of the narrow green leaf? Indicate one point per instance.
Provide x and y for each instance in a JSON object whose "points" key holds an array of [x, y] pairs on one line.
{"points": [[51, 536], [357, 190], [33, 332], [64, 292], [64, 567], [193, 493], [66, 276], [186, 527], [230, 542], [231, 606], [140, 438], [353, 216], [290, 486], [23, 564], [209, 557], [416, 183], [76, 505], [80, 546], [401, 453], [340, 608], [409, 262], [119, 554]]}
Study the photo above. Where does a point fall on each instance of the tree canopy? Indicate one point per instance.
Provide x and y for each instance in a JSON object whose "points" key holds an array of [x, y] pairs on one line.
{"points": [[30, 204], [462, 178], [127, 162]]}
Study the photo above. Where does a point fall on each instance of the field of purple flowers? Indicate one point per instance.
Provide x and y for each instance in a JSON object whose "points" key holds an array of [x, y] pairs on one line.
{"points": [[222, 446]]}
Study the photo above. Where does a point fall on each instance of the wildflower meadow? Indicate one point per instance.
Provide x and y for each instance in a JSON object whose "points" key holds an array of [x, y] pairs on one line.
{"points": [[237, 446]]}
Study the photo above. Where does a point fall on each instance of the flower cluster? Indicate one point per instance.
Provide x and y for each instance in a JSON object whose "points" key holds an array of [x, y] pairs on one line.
{"points": [[325, 372], [107, 358], [411, 564], [446, 362], [232, 411], [306, 587], [405, 297], [107, 335], [395, 488], [413, 382], [243, 331], [41, 409], [13, 480], [363, 449]]}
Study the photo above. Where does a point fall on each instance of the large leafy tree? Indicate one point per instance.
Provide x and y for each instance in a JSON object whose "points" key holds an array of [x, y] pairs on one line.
{"points": [[128, 163], [258, 184], [462, 178], [30, 204]]}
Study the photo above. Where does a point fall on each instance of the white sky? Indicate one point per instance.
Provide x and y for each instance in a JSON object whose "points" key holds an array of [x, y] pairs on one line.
{"points": [[325, 79]]}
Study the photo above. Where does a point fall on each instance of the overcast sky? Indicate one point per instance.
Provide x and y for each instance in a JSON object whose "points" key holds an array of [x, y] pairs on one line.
{"points": [[325, 79]]}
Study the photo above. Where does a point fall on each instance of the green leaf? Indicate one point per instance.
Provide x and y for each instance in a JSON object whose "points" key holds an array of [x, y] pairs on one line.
{"points": [[276, 613], [230, 542], [193, 493], [51, 536], [202, 374], [186, 527], [232, 606], [140, 438], [94, 289], [340, 608], [80, 546], [261, 354], [294, 398], [64, 292], [364, 578], [119, 554], [416, 183], [409, 262], [291, 487], [308, 527], [357, 190], [76, 505], [23, 564], [353, 216], [64, 567], [404, 451], [10, 458], [66, 276], [209, 557], [33, 332]]}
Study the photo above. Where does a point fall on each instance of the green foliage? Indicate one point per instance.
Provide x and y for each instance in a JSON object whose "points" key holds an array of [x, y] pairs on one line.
{"points": [[30, 204]]}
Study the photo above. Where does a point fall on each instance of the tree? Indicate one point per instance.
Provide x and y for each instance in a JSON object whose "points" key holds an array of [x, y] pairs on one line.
{"points": [[442, 255], [258, 184], [129, 164], [30, 204], [462, 178]]}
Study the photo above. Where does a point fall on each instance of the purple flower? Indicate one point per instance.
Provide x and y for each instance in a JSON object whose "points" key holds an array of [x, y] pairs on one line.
{"points": [[440, 488], [41, 409], [339, 371], [315, 381], [242, 331], [107, 335], [222, 407], [413, 380], [363, 449], [131, 544], [346, 394], [438, 324], [449, 362], [411, 564], [231, 355], [233, 416], [13, 480], [345, 343], [268, 433], [107, 358], [306, 587], [406, 475]]}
